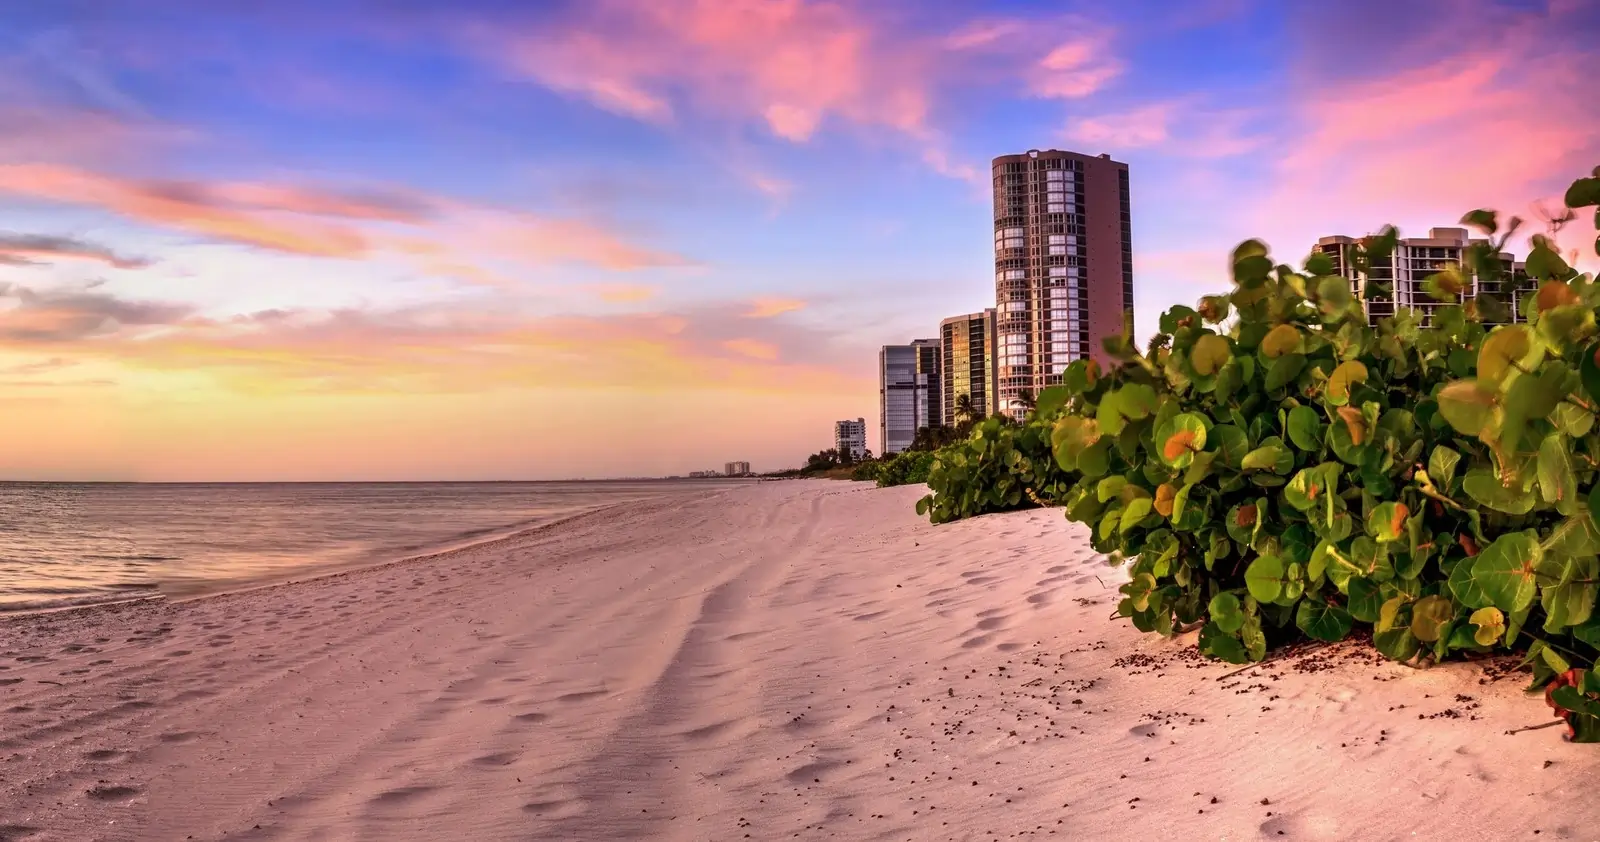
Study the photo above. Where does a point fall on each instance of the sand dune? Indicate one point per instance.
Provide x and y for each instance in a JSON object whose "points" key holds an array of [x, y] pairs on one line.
{"points": [[788, 660]]}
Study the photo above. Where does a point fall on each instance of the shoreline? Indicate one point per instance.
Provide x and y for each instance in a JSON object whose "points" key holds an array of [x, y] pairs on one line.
{"points": [[802, 660], [224, 587]]}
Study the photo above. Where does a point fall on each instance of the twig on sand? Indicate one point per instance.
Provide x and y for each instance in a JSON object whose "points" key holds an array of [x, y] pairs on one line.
{"points": [[1550, 724], [1287, 653]]}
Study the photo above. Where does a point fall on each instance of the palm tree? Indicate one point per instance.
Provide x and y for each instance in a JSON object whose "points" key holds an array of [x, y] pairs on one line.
{"points": [[1026, 400], [965, 412]]}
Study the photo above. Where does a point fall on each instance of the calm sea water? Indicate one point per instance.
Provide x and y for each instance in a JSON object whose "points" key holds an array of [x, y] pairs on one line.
{"points": [[72, 544]]}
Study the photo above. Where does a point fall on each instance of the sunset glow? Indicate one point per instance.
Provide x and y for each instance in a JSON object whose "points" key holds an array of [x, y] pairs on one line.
{"points": [[491, 240]]}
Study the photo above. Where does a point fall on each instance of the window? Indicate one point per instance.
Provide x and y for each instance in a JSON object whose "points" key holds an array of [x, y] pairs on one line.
{"points": [[1055, 207], [1058, 271], [1016, 306]]}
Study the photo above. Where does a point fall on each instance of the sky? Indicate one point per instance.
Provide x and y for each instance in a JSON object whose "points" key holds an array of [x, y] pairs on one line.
{"points": [[405, 240]]}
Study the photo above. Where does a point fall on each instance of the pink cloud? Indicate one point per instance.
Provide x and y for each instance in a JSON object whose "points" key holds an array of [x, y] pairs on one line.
{"points": [[789, 64], [1075, 68], [444, 235], [1173, 127], [1426, 143], [797, 66], [766, 308]]}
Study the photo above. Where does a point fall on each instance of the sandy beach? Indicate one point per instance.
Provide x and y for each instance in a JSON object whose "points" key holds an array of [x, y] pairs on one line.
{"points": [[785, 660]]}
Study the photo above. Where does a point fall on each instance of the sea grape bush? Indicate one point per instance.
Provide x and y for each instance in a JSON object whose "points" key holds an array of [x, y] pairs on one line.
{"points": [[1275, 468], [905, 468], [1001, 466]]}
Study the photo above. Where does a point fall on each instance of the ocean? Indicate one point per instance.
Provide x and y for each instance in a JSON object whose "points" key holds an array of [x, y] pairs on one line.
{"points": [[64, 544]]}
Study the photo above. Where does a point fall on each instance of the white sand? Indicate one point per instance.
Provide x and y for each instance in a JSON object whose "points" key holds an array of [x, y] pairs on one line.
{"points": [[789, 660]]}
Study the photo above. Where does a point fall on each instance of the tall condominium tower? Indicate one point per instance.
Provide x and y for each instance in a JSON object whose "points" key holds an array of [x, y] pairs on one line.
{"points": [[1063, 265], [1400, 278], [970, 365], [908, 392]]}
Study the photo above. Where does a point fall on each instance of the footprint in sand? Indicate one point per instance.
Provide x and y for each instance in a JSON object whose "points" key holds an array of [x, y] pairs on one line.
{"points": [[17, 832], [992, 623], [113, 793], [810, 772], [531, 718], [179, 737], [402, 795], [104, 754], [581, 697], [499, 758]]}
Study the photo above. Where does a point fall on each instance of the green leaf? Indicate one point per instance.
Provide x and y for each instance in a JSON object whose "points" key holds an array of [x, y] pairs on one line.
{"points": [[1344, 376], [1221, 645], [1429, 616], [1557, 484], [1483, 220], [1226, 612], [1209, 353], [1482, 485], [1442, 465], [1231, 444], [1305, 429], [1589, 370], [1110, 487], [1050, 400], [1137, 401], [1283, 371], [1281, 340], [1180, 438], [1386, 522], [1502, 353], [1505, 571], [1135, 511], [1490, 624], [1583, 193], [1544, 262], [1311, 486], [1262, 458], [1096, 460], [1322, 621], [1571, 602], [1266, 578], [1467, 407], [1366, 600], [1572, 419], [1250, 634]]}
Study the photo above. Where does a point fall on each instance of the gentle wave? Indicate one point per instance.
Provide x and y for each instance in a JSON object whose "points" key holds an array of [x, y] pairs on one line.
{"points": [[64, 544]]}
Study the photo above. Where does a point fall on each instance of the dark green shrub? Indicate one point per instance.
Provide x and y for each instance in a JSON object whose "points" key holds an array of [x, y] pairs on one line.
{"points": [[1275, 468], [1000, 467], [867, 471], [905, 468]]}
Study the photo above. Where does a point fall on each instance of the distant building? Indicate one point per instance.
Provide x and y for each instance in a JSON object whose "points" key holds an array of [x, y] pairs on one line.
{"points": [[851, 437], [1399, 279], [1063, 265], [969, 364], [908, 392], [737, 469]]}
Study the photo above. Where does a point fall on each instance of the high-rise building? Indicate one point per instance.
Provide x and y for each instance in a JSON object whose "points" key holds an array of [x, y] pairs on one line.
{"points": [[736, 469], [1399, 280], [908, 392], [969, 364], [850, 437], [1063, 265]]}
